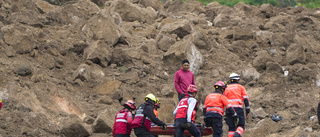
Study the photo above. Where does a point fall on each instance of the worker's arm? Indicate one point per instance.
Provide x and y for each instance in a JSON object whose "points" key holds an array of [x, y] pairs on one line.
{"points": [[148, 111], [225, 102], [175, 110], [176, 83], [191, 104], [246, 100]]}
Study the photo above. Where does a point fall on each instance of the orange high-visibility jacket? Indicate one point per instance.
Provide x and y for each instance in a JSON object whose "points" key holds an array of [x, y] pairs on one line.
{"points": [[236, 93], [216, 102], [155, 112]]}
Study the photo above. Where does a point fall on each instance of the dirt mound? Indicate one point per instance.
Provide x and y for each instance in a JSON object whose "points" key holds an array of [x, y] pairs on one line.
{"points": [[67, 68]]}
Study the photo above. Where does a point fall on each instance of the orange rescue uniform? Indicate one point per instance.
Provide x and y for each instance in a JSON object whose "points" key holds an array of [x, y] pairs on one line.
{"points": [[216, 102]]}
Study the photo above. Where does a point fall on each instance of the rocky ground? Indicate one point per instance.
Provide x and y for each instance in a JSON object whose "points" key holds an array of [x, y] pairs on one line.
{"points": [[67, 66]]}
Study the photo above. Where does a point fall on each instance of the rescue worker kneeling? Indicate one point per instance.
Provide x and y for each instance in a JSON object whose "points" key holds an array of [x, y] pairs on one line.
{"points": [[144, 116], [122, 123], [184, 113], [214, 109]]}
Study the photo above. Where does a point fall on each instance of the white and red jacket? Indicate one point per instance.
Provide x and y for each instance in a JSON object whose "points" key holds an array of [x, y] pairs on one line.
{"points": [[122, 123], [186, 108]]}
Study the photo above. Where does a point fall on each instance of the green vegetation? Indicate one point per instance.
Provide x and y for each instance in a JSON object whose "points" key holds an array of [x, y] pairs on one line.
{"points": [[279, 3]]}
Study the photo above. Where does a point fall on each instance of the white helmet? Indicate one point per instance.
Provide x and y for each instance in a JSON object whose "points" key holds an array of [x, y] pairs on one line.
{"points": [[234, 76]]}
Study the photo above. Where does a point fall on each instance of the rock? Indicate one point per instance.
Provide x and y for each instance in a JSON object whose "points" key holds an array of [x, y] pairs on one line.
{"points": [[295, 54], [108, 87], [73, 127], [9, 51], [260, 61], [254, 92], [260, 113], [181, 50], [201, 40], [166, 104], [243, 33], [164, 42], [131, 12], [168, 90], [105, 100], [267, 10], [104, 122], [308, 129], [180, 27], [129, 77], [250, 74], [22, 68], [273, 67], [45, 7], [98, 53], [98, 27], [188, 6], [92, 74], [155, 4], [280, 39], [20, 37], [88, 120]]}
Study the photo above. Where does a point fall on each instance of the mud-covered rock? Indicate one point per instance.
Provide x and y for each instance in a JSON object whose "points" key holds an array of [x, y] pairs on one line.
{"points": [[179, 27], [261, 60], [108, 87], [23, 68], [295, 54]]}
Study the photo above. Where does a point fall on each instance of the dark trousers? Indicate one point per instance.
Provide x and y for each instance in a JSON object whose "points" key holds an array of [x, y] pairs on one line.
{"points": [[122, 135], [180, 125], [230, 119], [216, 124], [142, 132], [181, 96]]}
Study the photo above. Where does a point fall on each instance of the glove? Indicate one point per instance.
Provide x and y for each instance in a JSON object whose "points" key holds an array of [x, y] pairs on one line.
{"points": [[188, 124], [164, 127], [236, 120]]}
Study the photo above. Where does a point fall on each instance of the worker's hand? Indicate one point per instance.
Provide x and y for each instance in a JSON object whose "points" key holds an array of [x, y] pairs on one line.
{"points": [[247, 115], [236, 120], [188, 124], [164, 127]]}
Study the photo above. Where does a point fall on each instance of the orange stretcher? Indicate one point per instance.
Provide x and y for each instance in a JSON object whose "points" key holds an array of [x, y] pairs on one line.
{"points": [[156, 130]]}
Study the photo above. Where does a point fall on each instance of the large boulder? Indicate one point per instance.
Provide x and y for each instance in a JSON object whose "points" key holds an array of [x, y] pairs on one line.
{"points": [[73, 127], [200, 39], [98, 52], [181, 50], [104, 121], [101, 28], [295, 54], [23, 68], [131, 12], [20, 37], [260, 61], [250, 74], [155, 4], [181, 27], [92, 74], [164, 42]]}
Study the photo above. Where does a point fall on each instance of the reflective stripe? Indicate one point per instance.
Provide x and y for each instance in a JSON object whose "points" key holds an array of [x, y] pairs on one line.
{"points": [[239, 130], [215, 108], [245, 96], [215, 112], [121, 120], [229, 105], [232, 100], [248, 107], [184, 106], [237, 106], [148, 118], [231, 132], [139, 115]]}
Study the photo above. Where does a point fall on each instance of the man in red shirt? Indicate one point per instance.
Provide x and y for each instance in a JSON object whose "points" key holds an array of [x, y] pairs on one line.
{"points": [[237, 96], [122, 123], [183, 78]]}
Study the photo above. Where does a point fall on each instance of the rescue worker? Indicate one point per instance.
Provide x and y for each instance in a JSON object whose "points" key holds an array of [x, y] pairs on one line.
{"points": [[144, 116], [185, 114], [237, 96], [122, 124], [214, 109]]}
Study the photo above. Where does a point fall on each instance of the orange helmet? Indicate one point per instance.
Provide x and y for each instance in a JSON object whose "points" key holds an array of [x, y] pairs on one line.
{"points": [[192, 88], [130, 104]]}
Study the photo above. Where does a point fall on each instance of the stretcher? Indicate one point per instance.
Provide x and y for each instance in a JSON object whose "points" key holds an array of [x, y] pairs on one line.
{"points": [[157, 130]]}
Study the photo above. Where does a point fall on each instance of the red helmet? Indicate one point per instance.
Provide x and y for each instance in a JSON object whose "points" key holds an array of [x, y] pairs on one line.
{"points": [[220, 84], [131, 104], [192, 88]]}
